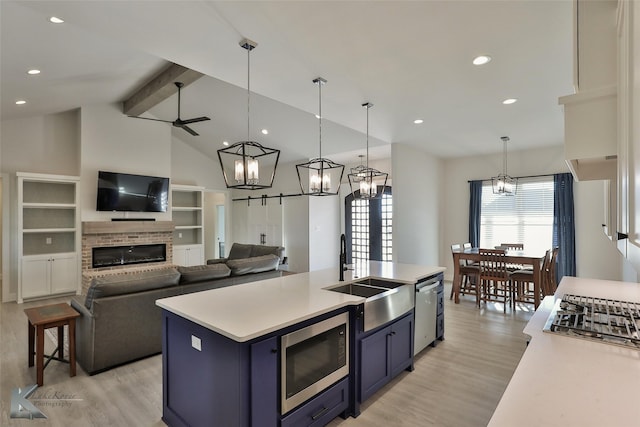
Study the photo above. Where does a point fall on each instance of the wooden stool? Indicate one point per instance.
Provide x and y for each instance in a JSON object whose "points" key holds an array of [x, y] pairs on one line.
{"points": [[50, 316]]}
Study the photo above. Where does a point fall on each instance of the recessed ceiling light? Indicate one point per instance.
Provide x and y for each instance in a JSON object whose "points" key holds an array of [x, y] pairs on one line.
{"points": [[225, 143], [33, 72], [265, 132], [481, 60], [56, 20], [21, 102], [418, 121], [509, 101], [317, 116]]}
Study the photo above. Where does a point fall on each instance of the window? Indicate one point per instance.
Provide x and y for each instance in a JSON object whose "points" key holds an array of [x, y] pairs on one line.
{"points": [[368, 226], [525, 218]]}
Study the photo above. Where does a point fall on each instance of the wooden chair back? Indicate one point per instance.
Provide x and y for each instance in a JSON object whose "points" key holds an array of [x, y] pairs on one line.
{"points": [[553, 259], [493, 265], [513, 246]]}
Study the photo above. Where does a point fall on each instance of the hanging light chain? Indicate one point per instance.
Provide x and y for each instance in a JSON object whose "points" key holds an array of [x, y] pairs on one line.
{"points": [[504, 139], [248, 91], [249, 45], [320, 81], [367, 105]]}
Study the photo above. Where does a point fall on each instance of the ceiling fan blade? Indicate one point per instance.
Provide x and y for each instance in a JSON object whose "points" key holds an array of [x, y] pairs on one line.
{"points": [[197, 119], [148, 118], [188, 129]]}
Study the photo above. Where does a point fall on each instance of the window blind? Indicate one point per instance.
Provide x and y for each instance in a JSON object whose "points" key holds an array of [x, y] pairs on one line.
{"points": [[524, 218]]}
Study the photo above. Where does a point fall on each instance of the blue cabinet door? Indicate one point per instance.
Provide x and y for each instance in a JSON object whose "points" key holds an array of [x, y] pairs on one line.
{"points": [[264, 383], [374, 364], [401, 345]]}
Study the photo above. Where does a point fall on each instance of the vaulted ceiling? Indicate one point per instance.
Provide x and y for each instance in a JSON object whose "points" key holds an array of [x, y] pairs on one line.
{"points": [[411, 59]]}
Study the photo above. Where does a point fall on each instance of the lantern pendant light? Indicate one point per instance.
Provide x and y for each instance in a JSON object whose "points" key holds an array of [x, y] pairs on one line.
{"points": [[363, 180], [248, 165], [503, 183], [320, 176]]}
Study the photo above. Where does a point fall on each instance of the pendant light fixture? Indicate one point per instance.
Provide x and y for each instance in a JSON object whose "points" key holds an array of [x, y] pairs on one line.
{"points": [[503, 183], [363, 180], [248, 165], [320, 176]]}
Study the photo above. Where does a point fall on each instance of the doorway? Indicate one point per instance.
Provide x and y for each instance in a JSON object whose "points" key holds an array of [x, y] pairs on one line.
{"points": [[214, 224], [4, 238]]}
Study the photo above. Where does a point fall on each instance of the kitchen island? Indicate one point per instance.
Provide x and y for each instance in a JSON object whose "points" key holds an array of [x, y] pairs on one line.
{"points": [[221, 348], [562, 380]]}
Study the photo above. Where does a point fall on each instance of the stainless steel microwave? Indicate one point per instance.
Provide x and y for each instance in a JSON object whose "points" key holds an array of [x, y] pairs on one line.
{"points": [[313, 358]]}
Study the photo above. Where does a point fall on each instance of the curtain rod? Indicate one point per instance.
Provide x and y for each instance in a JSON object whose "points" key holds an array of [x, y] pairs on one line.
{"points": [[518, 177], [263, 198]]}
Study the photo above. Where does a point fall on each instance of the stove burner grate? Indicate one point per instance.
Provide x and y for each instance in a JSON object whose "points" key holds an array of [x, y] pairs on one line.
{"points": [[599, 319]]}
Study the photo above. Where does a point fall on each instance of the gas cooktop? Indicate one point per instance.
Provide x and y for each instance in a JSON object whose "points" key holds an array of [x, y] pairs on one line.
{"points": [[597, 319]]}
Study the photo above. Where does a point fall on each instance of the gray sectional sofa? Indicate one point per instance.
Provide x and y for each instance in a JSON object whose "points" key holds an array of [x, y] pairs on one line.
{"points": [[119, 321]]}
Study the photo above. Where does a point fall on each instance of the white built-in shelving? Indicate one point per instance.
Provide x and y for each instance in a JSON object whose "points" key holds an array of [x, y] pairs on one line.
{"points": [[187, 203], [49, 235]]}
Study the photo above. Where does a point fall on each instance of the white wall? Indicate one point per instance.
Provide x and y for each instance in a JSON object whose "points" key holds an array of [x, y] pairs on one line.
{"points": [[595, 255], [324, 232], [191, 167], [295, 216], [113, 142], [416, 199], [42, 144], [211, 201]]}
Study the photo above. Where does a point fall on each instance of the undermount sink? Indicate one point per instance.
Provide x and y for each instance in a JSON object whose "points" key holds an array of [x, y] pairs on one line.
{"points": [[380, 283], [385, 301], [358, 290]]}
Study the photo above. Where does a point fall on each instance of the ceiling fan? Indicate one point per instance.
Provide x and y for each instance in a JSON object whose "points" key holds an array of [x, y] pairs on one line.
{"points": [[179, 123]]}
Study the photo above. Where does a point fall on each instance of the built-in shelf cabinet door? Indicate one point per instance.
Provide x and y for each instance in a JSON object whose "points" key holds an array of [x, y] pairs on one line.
{"points": [[49, 235], [188, 255]]}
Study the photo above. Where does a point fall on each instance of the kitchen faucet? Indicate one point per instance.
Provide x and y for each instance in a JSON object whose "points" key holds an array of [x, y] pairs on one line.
{"points": [[343, 256]]}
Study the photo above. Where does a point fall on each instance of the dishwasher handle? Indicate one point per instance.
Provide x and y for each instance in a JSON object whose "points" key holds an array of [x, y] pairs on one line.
{"points": [[427, 286]]}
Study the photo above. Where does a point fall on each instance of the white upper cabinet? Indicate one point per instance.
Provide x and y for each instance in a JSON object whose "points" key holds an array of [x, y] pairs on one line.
{"points": [[591, 113]]}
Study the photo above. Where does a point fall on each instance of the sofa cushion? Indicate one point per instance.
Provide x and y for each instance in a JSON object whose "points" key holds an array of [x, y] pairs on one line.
{"points": [[130, 283], [240, 250], [253, 264], [260, 250], [198, 273]]}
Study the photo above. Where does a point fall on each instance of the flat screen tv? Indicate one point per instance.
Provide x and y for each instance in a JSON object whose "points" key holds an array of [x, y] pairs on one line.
{"points": [[132, 193]]}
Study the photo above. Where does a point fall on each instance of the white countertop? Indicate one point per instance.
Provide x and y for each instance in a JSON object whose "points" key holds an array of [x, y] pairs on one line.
{"points": [[247, 311], [564, 381]]}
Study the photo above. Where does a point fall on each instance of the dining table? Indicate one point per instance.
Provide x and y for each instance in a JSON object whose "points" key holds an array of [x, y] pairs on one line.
{"points": [[512, 256]]}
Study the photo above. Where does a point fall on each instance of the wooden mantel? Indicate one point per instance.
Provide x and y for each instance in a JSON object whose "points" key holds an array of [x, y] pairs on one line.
{"points": [[105, 227]]}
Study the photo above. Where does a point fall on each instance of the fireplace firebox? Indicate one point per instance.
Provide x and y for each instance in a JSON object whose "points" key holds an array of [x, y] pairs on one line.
{"points": [[109, 256]]}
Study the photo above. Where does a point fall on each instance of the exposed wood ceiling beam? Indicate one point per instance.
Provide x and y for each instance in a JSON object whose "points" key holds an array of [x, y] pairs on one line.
{"points": [[158, 89]]}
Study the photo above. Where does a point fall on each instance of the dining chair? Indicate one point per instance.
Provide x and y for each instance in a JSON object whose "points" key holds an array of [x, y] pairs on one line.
{"points": [[549, 273], [514, 247], [468, 273], [522, 282], [495, 282]]}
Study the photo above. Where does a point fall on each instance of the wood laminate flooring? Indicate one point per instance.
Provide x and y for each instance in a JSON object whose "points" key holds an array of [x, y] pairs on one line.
{"points": [[458, 383]]}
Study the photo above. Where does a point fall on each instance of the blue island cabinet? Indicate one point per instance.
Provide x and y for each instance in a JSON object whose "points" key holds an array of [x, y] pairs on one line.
{"points": [[385, 353], [211, 380]]}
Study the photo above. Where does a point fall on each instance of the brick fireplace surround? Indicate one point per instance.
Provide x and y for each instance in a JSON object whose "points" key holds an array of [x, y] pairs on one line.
{"points": [[122, 233]]}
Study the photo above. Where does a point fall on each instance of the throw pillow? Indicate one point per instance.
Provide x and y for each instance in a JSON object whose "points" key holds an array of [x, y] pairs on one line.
{"points": [[199, 273], [253, 265]]}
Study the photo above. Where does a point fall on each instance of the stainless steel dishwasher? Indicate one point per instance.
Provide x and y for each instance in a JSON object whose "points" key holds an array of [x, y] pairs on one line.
{"points": [[426, 312]]}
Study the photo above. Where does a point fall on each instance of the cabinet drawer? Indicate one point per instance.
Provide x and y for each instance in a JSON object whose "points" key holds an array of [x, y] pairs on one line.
{"points": [[322, 408]]}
